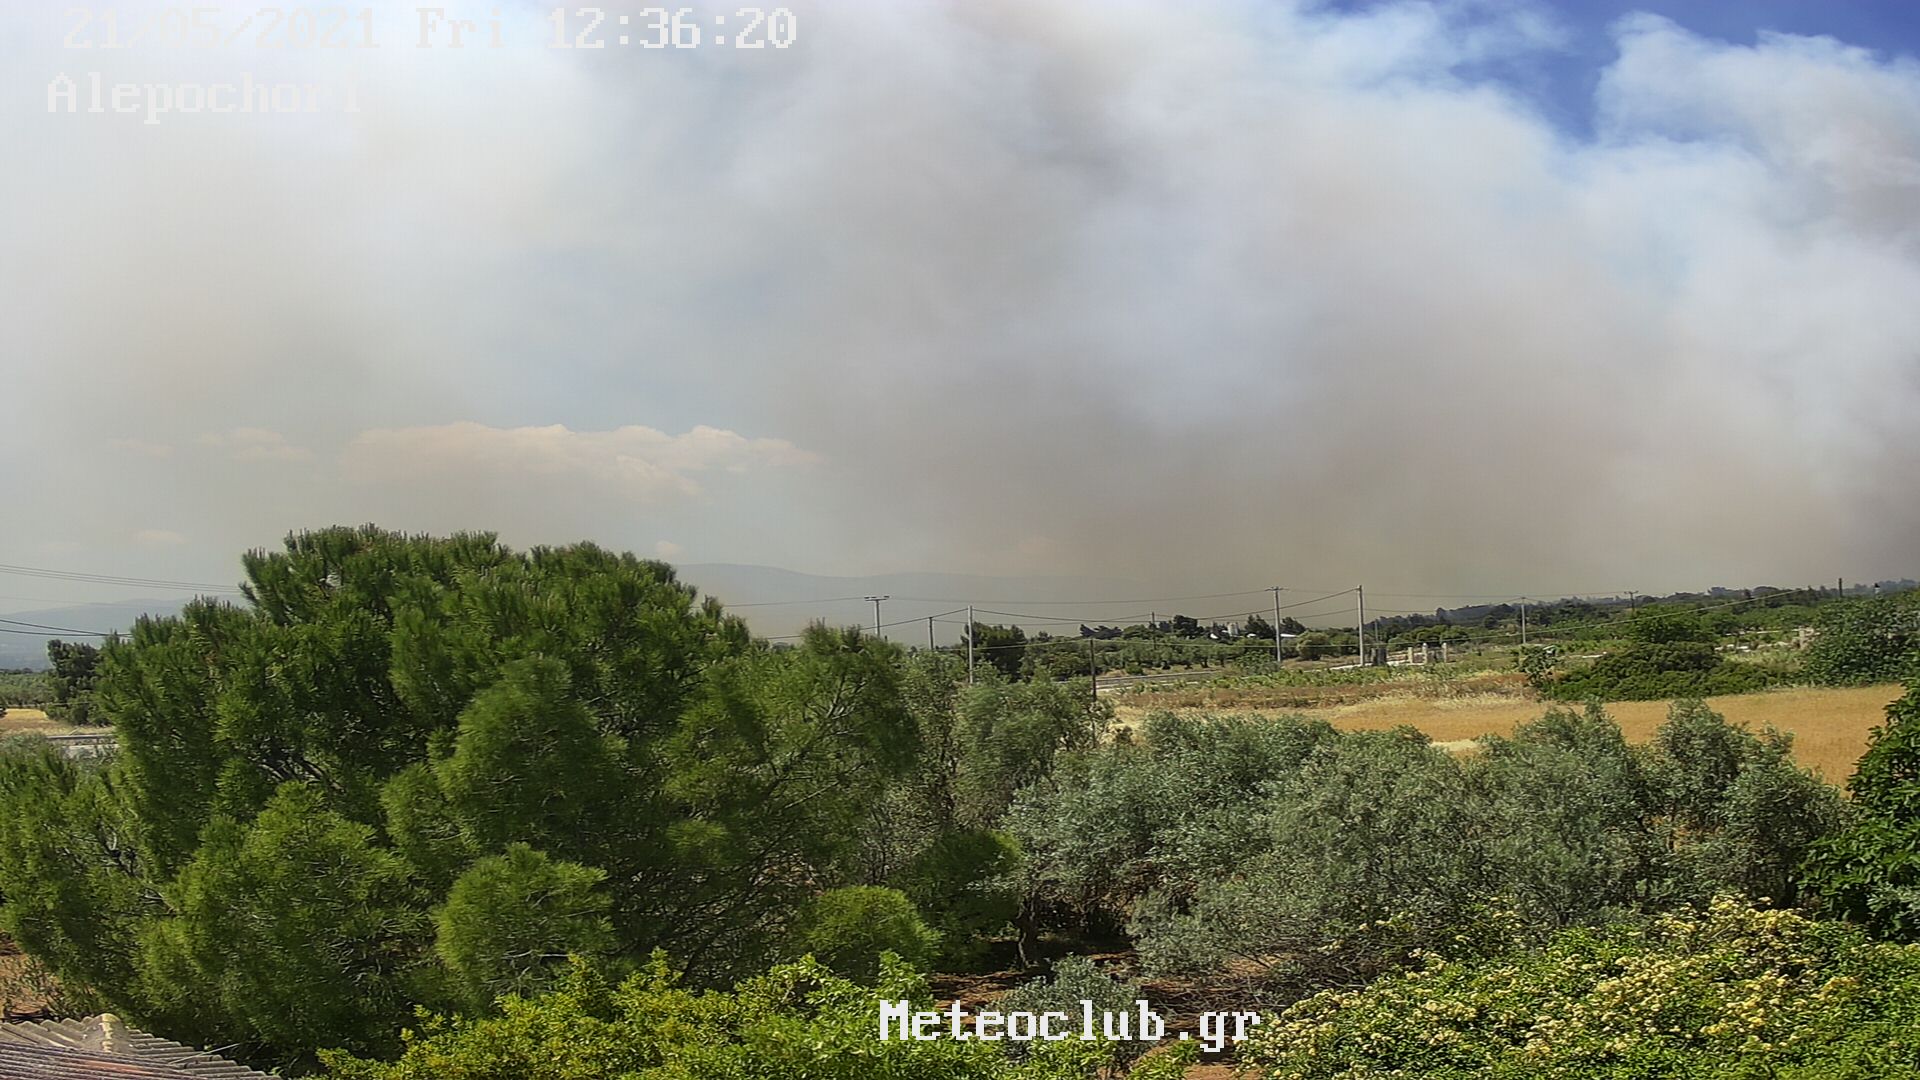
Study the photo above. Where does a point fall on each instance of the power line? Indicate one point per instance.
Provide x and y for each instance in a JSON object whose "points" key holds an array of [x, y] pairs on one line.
{"points": [[57, 629], [883, 626], [1316, 600], [1177, 643], [109, 579], [43, 635], [789, 603], [1041, 618]]}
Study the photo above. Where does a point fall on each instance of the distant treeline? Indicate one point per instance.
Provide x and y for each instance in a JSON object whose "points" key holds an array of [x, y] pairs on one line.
{"points": [[1182, 641]]}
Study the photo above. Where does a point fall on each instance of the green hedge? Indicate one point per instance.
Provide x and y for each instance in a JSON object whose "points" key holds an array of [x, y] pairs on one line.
{"points": [[1664, 671]]}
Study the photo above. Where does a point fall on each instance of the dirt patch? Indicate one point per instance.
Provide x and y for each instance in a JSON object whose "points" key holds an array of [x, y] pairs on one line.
{"points": [[22, 996]]}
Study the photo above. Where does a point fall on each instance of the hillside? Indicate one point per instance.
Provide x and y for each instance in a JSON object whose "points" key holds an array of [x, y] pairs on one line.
{"points": [[24, 644]]}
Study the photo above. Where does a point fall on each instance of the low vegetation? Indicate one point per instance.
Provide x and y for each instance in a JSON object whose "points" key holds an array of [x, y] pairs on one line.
{"points": [[798, 1020], [25, 690], [576, 816], [1728, 991], [1870, 872], [1295, 855]]}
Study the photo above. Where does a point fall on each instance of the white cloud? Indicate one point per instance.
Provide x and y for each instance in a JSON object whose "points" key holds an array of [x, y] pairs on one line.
{"points": [[158, 538], [668, 550]]}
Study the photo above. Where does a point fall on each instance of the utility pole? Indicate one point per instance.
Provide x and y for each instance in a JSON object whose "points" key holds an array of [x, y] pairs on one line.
{"points": [[970, 625], [1523, 622], [1275, 590], [930, 645], [1361, 592], [876, 613], [1093, 670], [1631, 605]]}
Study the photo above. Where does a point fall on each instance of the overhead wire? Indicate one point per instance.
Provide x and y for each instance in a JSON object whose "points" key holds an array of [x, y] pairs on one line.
{"points": [[49, 574], [56, 629]]}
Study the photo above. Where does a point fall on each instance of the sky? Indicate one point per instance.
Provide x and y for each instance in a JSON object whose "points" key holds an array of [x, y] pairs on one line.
{"points": [[1472, 297]]}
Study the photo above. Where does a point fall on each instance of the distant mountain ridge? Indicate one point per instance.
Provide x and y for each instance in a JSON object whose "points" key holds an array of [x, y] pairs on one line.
{"points": [[25, 646], [775, 603], [779, 603]]}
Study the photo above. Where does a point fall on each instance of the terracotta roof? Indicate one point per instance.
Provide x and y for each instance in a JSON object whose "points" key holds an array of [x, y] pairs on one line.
{"points": [[103, 1046]]}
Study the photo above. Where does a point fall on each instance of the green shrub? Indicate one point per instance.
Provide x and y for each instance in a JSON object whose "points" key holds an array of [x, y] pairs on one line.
{"points": [[1866, 641], [962, 883], [847, 930], [799, 1021], [1313, 645], [1663, 625], [1537, 663], [75, 670], [511, 921], [1729, 992], [1165, 812], [1373, 846], [1010, 734], [25, 689], [1871, 872], [1656, 671], [1075, 979], [1378, 845]]}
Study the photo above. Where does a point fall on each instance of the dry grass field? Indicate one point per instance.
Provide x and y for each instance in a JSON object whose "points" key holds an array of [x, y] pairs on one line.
{"points": [[31, 722], [1829, 725]]}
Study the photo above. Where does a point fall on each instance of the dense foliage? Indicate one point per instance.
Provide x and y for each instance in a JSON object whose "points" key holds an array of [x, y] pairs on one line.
{"points": [[847, 929], [1728, 992], [1660, 671], [800, 1021], [424, 771], [1871, 872], [1671, 653], [70, 683], [1866, 641], [25, 689], [559, 801], [1296, 855]]}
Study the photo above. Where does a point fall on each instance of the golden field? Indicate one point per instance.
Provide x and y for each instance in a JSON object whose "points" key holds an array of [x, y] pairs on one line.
{"points": [[1829, 725], [31, 722]]}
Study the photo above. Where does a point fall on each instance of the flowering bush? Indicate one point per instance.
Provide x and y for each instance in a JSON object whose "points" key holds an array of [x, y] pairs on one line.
{"points": [[1728, 992]]}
